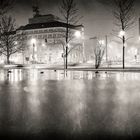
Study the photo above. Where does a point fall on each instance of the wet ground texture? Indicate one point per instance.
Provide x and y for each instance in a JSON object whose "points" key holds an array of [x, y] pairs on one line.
{"points": [[42, 104]]}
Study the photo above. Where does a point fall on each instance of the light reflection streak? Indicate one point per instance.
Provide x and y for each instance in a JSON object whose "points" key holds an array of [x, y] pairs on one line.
{"points": [[76, 105], [121, 114], [127, 76], [33, 75], [15, 102], [126, 100], [34, 101], [109, 101], [16, 75]]}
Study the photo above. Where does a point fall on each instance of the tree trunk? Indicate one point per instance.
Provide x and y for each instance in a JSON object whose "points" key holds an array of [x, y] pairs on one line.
{"points": [[66, 57], [8, 59], [96, 62], [64, 62], [67, 36], [123, 52], [96, 66]]}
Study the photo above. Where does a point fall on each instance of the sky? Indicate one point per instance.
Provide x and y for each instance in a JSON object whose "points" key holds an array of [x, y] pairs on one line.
{"points": [[95, 15], [97, 18]]}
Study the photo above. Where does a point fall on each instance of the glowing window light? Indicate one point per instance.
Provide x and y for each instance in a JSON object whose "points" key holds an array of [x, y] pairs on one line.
{"points": [[78, 34], [15, 42], [35, 56], [43, 45], [35, 49], [33, 40]]}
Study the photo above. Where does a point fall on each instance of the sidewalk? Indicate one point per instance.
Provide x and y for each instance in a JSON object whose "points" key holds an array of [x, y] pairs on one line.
{"points": [[74, 68], [90, 68]]}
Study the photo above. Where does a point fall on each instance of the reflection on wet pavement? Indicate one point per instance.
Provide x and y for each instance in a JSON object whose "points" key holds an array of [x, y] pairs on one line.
{"points": [[32, 103], [16, 75]]}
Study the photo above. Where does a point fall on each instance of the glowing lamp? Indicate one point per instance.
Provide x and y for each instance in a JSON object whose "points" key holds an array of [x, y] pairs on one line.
{"points": [[101, 42], [33, 40], [16, 42], [78, 34], [122, 33]]}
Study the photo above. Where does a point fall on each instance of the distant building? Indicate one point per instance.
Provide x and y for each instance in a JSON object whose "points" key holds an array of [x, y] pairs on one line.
{"points": [[48, 34]]}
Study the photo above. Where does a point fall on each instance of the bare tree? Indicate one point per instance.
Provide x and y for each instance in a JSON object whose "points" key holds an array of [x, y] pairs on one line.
{"points": [[69, 12], [62, 43], [99, 53], [10, 42], [5, 6], [124, 14]]}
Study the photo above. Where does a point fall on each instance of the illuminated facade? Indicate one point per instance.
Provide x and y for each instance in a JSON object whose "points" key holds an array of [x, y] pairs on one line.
{"points": [[48, 33]]}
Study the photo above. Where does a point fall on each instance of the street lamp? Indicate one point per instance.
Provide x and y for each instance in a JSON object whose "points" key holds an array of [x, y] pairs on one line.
{"points": [[33, 41], [43, 45], [122, 33], [77, 34], [101, 42]]}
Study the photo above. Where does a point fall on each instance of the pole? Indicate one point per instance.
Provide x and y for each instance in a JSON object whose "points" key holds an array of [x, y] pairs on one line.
{"points": [[106, 49], [33, 53], [23, 56], [123, 52]]}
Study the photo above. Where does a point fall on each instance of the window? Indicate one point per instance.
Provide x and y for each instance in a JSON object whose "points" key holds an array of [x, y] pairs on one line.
{"points": [[31, 32], [46, 31], [29, 37], [54, 35], [39, 36], [50, 36], [36, 32], [50, 30], [44, 36], [60, 35], [40, 31]]}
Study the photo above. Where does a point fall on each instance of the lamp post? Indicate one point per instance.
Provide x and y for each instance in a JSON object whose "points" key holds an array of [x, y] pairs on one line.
{"points": [[33, 41], [122, 35]]}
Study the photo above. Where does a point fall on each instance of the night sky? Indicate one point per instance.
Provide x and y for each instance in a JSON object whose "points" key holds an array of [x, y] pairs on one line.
{"points": [[94, 14], [97, 19]]}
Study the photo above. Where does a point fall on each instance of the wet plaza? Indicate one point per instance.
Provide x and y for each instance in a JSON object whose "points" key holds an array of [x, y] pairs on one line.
{"points": [[74, 105]]}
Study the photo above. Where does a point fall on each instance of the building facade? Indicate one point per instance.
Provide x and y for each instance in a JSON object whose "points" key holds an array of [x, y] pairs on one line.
{"points": [[44, 41]]}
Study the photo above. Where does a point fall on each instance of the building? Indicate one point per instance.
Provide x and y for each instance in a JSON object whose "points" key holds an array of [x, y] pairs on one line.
{"points": [[44, 40]]}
